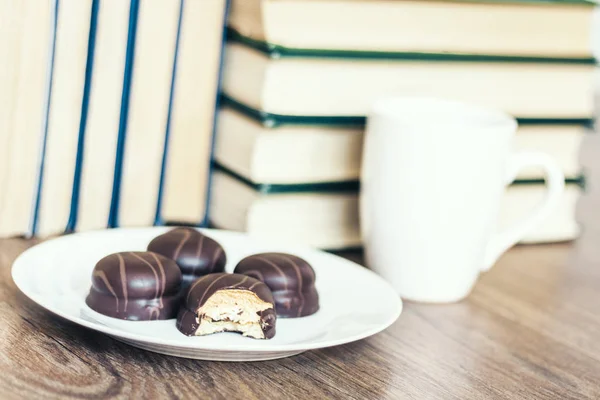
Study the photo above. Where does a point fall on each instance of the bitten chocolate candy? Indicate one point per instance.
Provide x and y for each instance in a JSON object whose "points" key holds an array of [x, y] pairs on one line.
{"points": [[290, 278], [195, 253], [228, 302], [137, 286]]}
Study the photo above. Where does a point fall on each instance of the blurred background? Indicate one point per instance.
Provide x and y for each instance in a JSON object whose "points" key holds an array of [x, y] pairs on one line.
{"points": [[249, 114]]}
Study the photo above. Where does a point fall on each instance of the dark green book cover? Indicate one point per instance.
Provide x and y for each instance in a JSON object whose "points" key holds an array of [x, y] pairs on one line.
{"points": [[343, 187], [275, 120], [276, 51]]}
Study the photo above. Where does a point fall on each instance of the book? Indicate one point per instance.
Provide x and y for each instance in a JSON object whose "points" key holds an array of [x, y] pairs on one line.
{"points": [[190, 132], [328, 218], [155, 127], [142, 134], [108, 112], [318, 219], [522, 28], [347, 86], [51, 213], [93, 193], [291, 153], [27, 34]]}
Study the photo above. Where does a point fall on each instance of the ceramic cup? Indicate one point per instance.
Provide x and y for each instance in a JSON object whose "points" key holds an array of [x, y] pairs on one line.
{"points": [[434, 173]]}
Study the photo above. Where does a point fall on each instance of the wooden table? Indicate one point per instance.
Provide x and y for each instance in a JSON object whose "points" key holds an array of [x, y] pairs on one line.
{"points": [[530, 330]]}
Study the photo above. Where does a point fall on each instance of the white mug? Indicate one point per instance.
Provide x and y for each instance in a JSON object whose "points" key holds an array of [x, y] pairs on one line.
{"points": [[434, 172]]}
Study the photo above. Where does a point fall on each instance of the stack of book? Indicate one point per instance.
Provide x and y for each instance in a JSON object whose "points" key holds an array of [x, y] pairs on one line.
{"points": [[106, 112], [300, 77]]}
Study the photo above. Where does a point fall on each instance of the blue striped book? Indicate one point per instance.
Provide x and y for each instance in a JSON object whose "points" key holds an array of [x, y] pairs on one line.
{"points": [[27, 31], [119, 125]]}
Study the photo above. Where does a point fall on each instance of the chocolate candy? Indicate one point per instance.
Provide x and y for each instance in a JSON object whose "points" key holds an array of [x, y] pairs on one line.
{"points": [[137, 286], [290, 278], [195, 253], [228, 302]]}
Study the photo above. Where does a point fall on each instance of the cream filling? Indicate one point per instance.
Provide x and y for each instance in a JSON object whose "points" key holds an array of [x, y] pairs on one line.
{"points": [[232, 311], [252, 329]]}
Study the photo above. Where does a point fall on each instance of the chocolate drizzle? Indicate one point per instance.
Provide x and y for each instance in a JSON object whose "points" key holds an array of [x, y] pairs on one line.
{"points": [[135, 286], [203, 288], [290, 278], [195, 253]]}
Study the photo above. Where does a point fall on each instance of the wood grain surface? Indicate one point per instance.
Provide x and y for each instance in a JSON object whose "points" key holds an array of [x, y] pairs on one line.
{"points": [[530, 330]]}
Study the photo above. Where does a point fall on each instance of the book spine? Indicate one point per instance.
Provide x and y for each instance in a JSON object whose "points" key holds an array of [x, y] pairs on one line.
{"points": [[127, 75], [38, 190], [161, 185], [206, 220], [89, 68]]}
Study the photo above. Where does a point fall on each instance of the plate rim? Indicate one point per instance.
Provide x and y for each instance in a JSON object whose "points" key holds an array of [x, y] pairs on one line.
{"points": [[148, 339]]}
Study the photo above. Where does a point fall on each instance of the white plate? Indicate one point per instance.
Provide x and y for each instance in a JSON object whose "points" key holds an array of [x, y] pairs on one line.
{"points": [[355, 302]]}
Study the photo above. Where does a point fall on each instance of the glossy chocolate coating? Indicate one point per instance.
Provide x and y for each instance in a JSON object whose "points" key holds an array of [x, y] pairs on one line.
{"points": [[137, 286], [290, 278], [195, 253], [202, 289]]}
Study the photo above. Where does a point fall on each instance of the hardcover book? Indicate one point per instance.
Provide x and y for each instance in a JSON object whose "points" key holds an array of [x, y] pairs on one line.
{"points": [[347, 85], [263, 148], [191, 125], [142, 135], [523, 28], [27, 36], [107, 114], [93, 184], [327, 215], [51, 212]]}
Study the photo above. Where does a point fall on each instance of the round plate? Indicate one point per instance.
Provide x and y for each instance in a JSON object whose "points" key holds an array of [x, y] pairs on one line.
{"points": [[355, 302]]}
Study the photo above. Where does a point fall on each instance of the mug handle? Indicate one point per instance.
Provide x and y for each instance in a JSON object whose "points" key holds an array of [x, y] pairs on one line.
{"points": [[555, 183]]}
